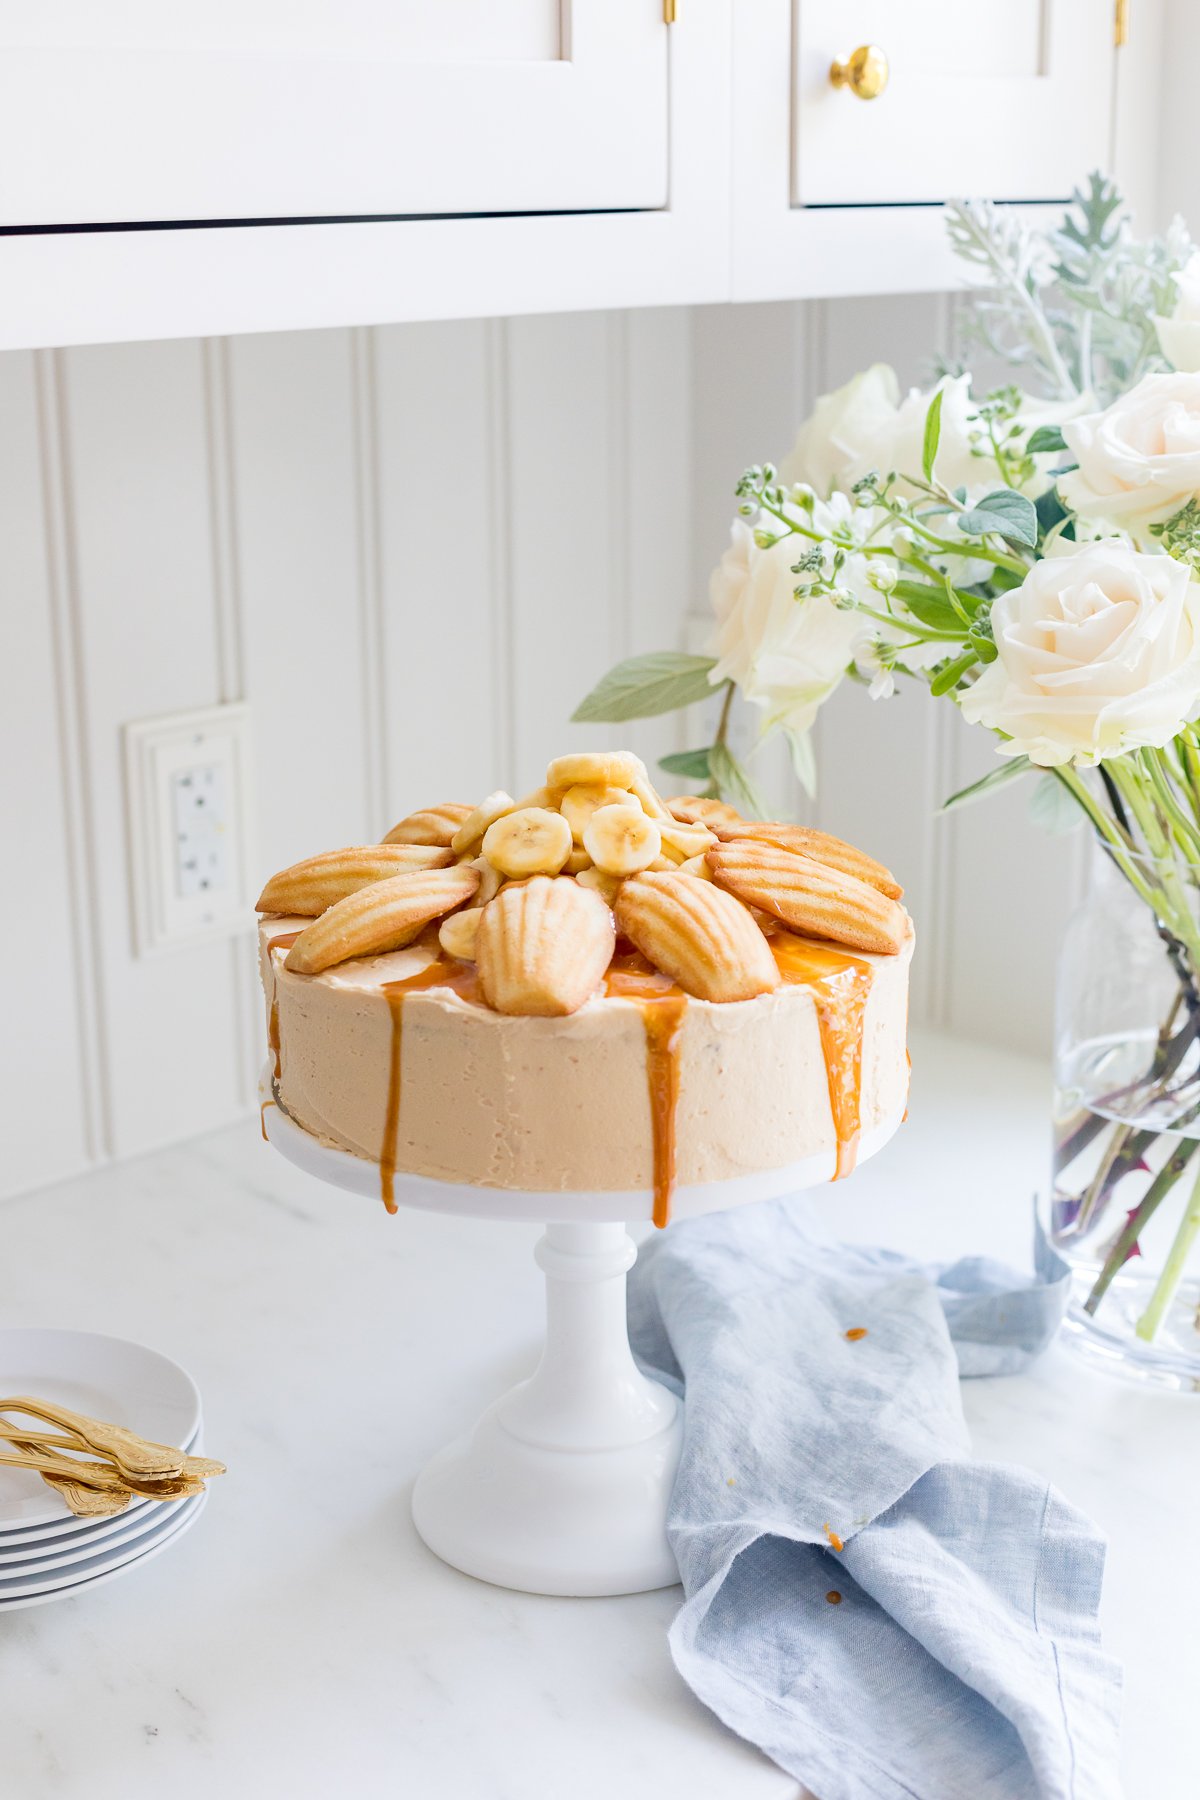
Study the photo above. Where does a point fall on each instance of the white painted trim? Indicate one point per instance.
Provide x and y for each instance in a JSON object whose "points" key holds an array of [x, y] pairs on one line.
{"points": [[370, 578], [76, 801]]}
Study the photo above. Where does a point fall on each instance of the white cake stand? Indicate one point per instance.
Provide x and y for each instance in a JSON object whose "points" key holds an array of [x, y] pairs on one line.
{"points": [[562, 1486]]}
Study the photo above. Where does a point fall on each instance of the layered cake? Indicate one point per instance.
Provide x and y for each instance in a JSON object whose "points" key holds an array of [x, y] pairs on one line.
{"points": [[592, 989]]}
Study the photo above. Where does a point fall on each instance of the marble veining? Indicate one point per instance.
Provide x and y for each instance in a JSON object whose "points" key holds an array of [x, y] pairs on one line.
{"points": [[303, 1641]]}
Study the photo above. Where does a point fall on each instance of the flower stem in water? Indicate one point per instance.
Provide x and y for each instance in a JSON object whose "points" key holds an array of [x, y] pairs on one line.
{"points": [[1164, 1291]]}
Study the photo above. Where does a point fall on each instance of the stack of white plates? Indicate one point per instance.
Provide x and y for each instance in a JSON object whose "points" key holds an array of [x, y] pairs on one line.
{"points": [[46, 1553]]}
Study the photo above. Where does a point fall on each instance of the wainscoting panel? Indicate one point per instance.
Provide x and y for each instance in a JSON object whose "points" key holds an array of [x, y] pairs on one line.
{"points": [[49, 1122], [412, 550], [134, 475]]}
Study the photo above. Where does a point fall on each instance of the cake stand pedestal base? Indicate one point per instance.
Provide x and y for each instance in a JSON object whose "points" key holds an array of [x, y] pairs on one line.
{"points": [[562, 1487]]}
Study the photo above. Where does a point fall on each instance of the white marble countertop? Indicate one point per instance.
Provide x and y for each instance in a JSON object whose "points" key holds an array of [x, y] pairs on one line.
{"points": [[302, 1640]]}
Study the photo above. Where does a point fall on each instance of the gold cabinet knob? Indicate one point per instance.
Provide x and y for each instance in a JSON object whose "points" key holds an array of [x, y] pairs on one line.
{"points": [[864, 72]]}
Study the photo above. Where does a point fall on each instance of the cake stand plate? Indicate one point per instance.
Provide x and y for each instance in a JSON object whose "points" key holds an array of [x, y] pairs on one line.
{"points": [[562, 1486]]}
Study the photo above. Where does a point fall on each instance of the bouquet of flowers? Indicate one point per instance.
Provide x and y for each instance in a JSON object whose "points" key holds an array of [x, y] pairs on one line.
{"points": [[1032, 555]]}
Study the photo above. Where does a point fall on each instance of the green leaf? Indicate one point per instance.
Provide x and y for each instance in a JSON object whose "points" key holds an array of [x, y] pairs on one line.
{"points": [[644, 686], [933, 432], [950, 676], [987, 784], [1046, 437], [1005, 512], [928, 604], [691, 763], [1054, 807], [1050, 510], [734, 783]]}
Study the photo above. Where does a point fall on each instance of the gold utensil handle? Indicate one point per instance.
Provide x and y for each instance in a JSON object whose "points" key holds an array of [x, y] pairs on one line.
{"points": [[864, 72]]}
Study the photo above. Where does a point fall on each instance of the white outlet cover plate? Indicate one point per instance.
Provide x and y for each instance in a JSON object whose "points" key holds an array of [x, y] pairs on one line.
{"points": [[172, 908]]}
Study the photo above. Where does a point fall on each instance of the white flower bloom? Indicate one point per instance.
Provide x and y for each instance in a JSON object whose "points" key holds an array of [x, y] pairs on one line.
{"points": [[1179, 336], [1098, 652], [1139, 460], [867, 424], [786, 654]]}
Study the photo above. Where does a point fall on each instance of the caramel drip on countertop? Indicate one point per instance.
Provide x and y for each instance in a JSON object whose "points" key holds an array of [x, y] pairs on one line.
{"points": [[841, 984], [662, 1006], [461, 979], [284, 941]]}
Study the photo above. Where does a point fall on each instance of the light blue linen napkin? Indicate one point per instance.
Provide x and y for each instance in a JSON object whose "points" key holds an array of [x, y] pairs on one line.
{"points": [[962, 1660]]}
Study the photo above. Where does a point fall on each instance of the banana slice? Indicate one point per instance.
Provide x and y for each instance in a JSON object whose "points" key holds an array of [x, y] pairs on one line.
{"points": [[458, 932], [542, 796], [533, 841], [607, 886], [683, 841], [475, 825], [489, 880], [622, 840], [577, 862], [696, 865], [596, 768], [652, 801], [581, 801]]}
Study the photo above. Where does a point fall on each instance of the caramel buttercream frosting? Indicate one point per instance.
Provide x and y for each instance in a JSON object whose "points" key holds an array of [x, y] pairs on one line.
{"points": [[589, 990]]}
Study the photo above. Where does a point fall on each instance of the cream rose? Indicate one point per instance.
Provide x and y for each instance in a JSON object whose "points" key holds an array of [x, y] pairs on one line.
{"points": [[1179, 336], [1139, 461], [786, 654], [1098, 652], [868, 425]]}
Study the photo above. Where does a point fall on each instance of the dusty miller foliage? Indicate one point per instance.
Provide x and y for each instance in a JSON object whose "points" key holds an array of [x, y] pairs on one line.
{"points": [[1072, 306]]}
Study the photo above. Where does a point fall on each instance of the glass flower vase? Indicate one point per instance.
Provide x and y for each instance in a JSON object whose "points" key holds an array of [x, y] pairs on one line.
{"points": [[1124, 1210]]}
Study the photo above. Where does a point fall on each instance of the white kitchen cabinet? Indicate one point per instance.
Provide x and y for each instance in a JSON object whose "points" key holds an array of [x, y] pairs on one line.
{"points": [[232, 168], [833, 193], [242, 169], [242, 109], [1010, 98]]}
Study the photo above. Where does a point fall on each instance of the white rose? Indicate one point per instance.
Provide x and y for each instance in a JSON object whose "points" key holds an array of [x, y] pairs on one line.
{"points": [[1098, 652], [786, 654], [1179, 336], [1139, 461], [867, 425]]}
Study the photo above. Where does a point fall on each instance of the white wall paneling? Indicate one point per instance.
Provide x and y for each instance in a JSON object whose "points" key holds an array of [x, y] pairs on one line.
{"points": [[1163, 116], [412, 550], [51, 1119]]}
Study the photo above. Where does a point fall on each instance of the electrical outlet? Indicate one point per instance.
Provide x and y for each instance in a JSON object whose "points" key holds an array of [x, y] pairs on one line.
{"points": [[188, 789]]}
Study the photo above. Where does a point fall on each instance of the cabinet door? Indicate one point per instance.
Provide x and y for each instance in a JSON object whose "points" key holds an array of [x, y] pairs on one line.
{"points": [[1005, 98], [135, 111]]}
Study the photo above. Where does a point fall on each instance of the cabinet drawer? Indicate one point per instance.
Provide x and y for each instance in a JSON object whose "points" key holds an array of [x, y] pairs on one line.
{"points": [[241, 109], [1009, 98]]}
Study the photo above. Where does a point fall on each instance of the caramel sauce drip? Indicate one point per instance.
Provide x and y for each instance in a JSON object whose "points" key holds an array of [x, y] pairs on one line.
{"points": [[840, 985], [462, 980], [284, 941], [662, 1006], [262, 1119]]}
